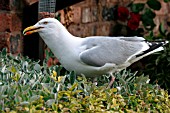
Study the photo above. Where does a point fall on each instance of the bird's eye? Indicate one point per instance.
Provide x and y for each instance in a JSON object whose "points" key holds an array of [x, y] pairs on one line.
{"points": [[45, 22]]}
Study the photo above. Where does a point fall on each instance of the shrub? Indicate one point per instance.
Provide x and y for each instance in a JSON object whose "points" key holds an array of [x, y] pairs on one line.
{"points": [[25, 86], [157, 65]]}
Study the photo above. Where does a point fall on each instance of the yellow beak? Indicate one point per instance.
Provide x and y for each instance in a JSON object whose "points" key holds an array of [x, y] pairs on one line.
{"points": [[31, 29]]}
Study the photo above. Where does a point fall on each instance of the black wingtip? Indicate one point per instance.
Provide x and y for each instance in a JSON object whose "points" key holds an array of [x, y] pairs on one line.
{"points": [[153, 45], [156, 43]]}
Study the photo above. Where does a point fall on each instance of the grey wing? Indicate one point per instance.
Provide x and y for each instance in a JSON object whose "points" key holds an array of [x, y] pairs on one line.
{"points": [[135, 38], [102, 50]]}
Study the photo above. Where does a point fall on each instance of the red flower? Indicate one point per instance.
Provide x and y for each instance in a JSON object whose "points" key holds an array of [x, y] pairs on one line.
{"points": [[135, 15], [134, 20], [123, 13], [50, 62]]}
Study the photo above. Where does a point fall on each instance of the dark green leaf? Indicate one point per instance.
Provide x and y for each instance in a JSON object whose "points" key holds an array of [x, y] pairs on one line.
{"points": [[72, 77], [4, 51], [151, 34], [147, 19], [162, 30], [154, 4], [136, 8], [54, 90], [149, 25], [149, 14], [16, 60], [166, 0]]}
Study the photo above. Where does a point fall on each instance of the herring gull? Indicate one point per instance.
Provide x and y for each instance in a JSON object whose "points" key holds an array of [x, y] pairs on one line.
{"points": [[94, 55]]}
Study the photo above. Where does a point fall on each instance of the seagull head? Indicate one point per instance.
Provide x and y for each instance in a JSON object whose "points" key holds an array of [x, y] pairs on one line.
{"points": [[45, 27]]}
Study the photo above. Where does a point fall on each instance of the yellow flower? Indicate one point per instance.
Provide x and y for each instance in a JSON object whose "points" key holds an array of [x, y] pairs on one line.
{"points": [[60, 106], [156, 100], [54, 73], [114, 90], [41, 97], [16, 77], [114, 102], [119, 96], [135, 85], [60, 78], [26, 109]]}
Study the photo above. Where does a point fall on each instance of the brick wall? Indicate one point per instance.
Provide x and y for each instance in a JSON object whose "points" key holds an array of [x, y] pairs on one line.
{"points": [[90, 17], [11, 25]]}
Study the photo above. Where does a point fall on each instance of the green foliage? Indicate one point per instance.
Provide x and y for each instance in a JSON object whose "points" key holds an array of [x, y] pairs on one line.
{"points": [[166, 0], [154, 4], [157, 65], [27, 87], [136, 8], [147, 19], [130, 17]]}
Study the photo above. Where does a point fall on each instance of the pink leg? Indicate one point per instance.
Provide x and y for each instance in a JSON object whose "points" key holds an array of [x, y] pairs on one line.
{"points": [[111, 82]]}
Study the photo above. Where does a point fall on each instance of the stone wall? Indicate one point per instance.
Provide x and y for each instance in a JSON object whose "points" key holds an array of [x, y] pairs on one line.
{"points": [[90, 16], [11, 25]]}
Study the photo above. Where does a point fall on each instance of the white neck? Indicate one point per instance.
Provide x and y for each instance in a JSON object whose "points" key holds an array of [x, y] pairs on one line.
{"points": [[58, 42]]}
